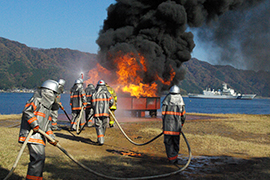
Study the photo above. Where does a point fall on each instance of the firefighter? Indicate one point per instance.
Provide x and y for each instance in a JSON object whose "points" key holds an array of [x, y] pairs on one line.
{"points": [[78, 103], [89, 112], [173, 116], [36, 115], [102, 100], [54, 114], [114, 106]]}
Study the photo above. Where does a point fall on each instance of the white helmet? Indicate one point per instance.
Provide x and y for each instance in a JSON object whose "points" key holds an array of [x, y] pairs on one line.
{"points": [[79, 81], [52, 85], [175, 90], [101, 83], [61, 83]]}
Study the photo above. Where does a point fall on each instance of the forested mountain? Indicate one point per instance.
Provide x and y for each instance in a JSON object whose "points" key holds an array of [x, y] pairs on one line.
{"points": [[200, 75], [25, 67]]}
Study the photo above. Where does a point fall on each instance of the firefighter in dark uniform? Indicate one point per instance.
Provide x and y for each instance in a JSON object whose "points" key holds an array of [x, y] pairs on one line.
{"points": [[54, 114], [173, 116], [114, 106], [89, 111], [102, 100], [36, 115], [78, 103]]}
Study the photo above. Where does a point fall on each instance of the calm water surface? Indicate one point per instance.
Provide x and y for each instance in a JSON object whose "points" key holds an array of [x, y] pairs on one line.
{"points": [[13, 103]]}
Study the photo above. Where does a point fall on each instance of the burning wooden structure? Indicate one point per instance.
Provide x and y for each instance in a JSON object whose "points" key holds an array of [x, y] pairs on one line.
{"points": [[138, 106]]}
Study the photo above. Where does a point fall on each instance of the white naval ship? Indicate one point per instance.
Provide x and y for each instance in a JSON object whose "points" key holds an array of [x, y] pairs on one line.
{"points": [[225, 93]]}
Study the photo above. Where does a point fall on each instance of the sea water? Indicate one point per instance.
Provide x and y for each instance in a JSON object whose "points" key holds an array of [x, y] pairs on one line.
{"points": [[13, 103]]}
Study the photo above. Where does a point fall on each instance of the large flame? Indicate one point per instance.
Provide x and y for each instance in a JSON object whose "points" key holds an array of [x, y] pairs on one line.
{"points": [[129, 73]]}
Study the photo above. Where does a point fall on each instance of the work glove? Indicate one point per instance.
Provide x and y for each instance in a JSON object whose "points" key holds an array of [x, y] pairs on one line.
{"points": [[36, 128], [53, 143]]}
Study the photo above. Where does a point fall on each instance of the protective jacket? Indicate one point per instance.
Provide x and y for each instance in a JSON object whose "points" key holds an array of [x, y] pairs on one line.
{"points": [[89, 91], [113, 93], [54, 113], [102, 100], [37, 112], [173, 114], [77, 97]]}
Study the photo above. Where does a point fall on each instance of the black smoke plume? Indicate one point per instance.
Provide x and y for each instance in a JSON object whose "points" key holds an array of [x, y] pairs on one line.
{"points": [[156, 29], [240, 37]]}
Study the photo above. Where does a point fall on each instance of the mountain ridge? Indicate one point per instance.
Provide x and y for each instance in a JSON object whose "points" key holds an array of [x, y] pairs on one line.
{"points": [[25, 67]]}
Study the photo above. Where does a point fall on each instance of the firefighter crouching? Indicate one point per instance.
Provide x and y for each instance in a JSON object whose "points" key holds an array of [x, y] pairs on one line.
{"points": [[89, 111], [36, 115], [77, 102], [173, 116], [101, 102], [114, 106]]}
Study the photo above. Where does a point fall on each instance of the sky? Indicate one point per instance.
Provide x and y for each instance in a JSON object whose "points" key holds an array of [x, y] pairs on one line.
{"points": [[58, 23]]}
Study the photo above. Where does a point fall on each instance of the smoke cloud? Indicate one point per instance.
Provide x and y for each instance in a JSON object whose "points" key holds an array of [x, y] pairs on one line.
{"points": [[240, 37], [157, 29]]}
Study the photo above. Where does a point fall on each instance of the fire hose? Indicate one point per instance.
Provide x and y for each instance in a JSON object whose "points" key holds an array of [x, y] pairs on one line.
{"points": [[137, 144], [118, 178], [20, 154], [92, 171], [64, 111], [84, 126]]}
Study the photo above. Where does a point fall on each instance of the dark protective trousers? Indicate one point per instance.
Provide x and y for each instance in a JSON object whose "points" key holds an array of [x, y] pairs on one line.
{"points": [[172, 147], [100, 125], [37, 160]]}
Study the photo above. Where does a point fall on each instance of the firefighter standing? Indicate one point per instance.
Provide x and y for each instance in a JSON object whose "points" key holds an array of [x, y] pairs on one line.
{"points": [[114, 106], [102, 100], [54, 114], [78, 103], [89, 112], [36, 115], [173, 116]]}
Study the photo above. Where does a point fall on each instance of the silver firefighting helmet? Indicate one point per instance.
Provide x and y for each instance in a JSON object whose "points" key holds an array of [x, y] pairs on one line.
{"points": [[101, 83], [61, 83], [91, 85], [79, 81], [175, 90], [52, 85]]}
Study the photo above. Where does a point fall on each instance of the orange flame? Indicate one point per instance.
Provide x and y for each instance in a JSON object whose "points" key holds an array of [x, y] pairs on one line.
{"points": [[172, 74], [128, 73], [96, 74], [131, 154], [129, 76]]}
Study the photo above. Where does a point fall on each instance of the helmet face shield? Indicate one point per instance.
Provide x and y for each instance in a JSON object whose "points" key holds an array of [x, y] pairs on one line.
{"points": [[52, 85]]}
